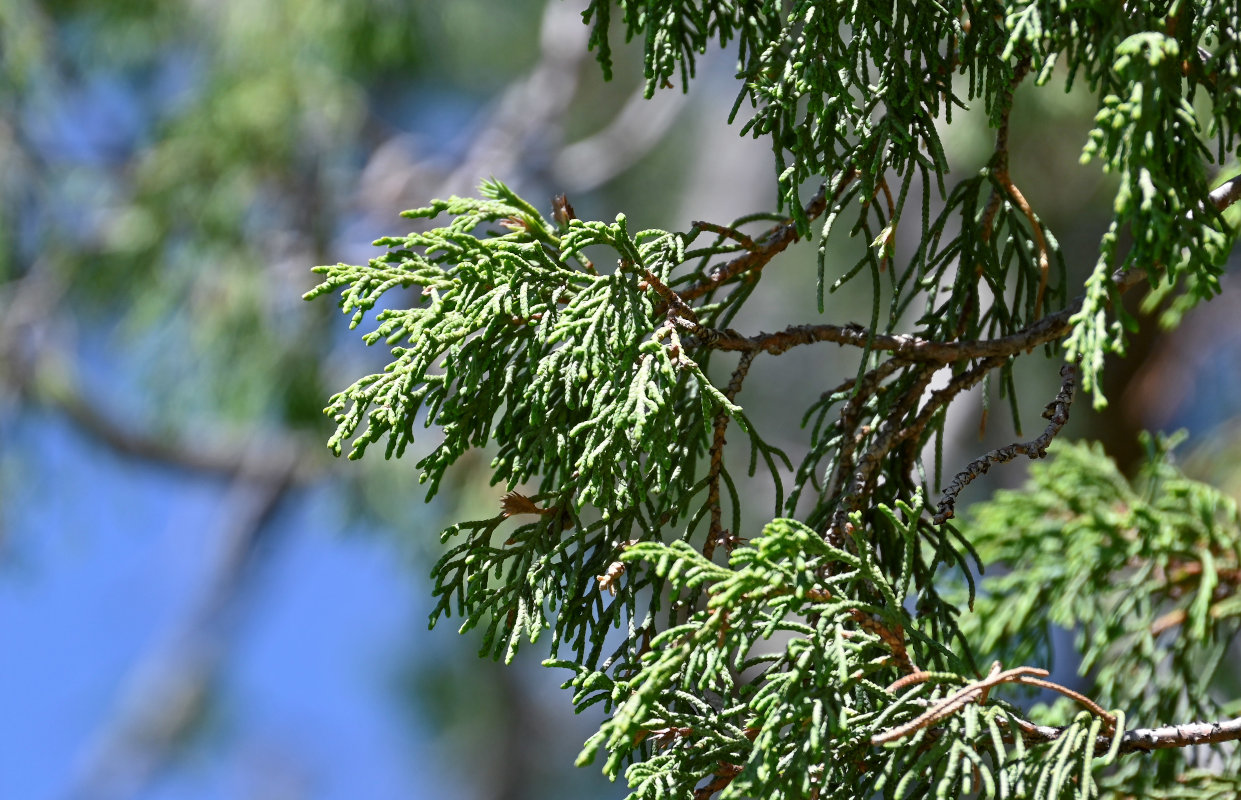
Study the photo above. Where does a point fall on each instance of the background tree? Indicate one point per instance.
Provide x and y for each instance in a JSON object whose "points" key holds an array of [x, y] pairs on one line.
{"points": [[195, 600], [845, 647]]}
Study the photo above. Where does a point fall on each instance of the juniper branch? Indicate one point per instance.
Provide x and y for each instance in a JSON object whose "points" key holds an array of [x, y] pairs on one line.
{"points": [[1144, 740], [882, 444], [976, 691], [727, 232], [1226, 194], [940, 398], [1057, 412], [768, 246], [716, 533], [858, 602], [1045, 329], [1001, 174], [849, 419]]}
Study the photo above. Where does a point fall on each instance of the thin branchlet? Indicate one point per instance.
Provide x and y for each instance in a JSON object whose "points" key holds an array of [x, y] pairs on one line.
{"points": [[1057, 415]]}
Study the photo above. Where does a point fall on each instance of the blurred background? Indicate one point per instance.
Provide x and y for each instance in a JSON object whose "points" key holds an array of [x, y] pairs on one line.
{"points": [[196, 601]]}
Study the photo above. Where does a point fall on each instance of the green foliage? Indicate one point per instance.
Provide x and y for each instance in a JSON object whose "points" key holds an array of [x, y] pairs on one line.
{"points": [[584, 368], [1150, 137], [1140, 571], [831, 656], [872, 100], [519, 337]]}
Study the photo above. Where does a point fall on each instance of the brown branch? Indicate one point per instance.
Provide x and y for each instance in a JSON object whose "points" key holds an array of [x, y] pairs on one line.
{"points": [[909, 346], [727, 232], [671, 299], [941, 397], [1168, 737], [1078, 697], [893, 638], [849, 420], [716, 533], [870, 379], [1226, 194], [1040, 241], [1000, 158], [1191, 571], [883, 443], [1135, 740], [1144, 740], [1004, 179], [915, 348], [719, 780], [910, 438], [1228, 580], [677, 313], [919, 676], [978, 692], [1057, 412], [949, 705], [911, 679], [769, 245]]}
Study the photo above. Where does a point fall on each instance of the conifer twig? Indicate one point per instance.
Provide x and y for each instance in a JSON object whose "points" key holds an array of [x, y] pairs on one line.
{"points": [[942, 397], [1227, 580], [719, 780], [953, 702], [1078, 697], [1057, 414], [727, 232], [674, 303], [716, 533], [893, 637], [915, 348], [1004, 179], [909, 346], [849, 420], [1144, 740], [1226, 194], [1135, 740], [978, 691], [889, 436], [768, 246]]}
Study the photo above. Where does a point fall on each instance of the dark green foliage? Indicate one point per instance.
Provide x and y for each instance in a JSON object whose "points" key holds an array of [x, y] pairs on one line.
{"points": [[841, 651], [861, 86]]}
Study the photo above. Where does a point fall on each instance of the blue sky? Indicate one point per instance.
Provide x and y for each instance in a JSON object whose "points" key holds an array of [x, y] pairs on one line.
{"points": [[105, 556]]}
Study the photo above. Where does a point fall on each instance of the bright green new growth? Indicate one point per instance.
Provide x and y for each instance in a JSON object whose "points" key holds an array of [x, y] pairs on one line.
{"points": [[843, 651]]}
